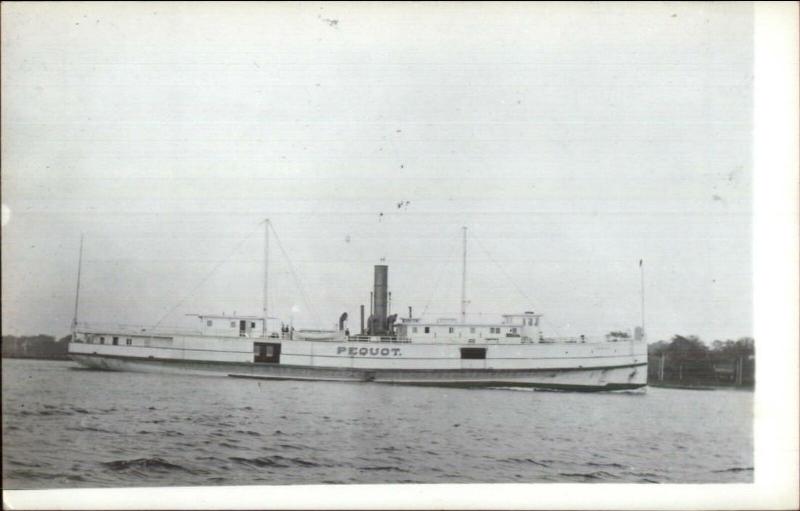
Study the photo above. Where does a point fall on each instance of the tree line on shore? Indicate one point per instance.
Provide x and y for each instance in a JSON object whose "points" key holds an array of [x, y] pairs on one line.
{"points": [[35, 346], [686, 360]]}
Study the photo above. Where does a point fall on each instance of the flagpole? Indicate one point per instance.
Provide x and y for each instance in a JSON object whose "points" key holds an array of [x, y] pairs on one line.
{"points": [[464, 279], [265, 302], [641, 276]]}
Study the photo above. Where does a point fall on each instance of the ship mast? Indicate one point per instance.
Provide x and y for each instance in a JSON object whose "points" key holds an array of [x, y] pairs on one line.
{"points": [[464, 279], [266, 277], [77, 292]]}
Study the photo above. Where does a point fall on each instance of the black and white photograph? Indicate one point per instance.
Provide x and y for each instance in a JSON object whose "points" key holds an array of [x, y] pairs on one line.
{"points": [[342, 247]]}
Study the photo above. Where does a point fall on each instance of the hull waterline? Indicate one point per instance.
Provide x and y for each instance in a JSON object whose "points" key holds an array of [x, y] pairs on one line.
{"points": [[622, 377]]}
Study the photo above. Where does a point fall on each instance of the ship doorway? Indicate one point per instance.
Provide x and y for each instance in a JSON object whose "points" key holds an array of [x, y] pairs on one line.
{"points": [[242, 328], [473, 358], [267, 352], [473, 353]]}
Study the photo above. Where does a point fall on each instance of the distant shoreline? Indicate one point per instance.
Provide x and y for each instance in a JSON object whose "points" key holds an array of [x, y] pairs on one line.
{"points": [[21, 357]]}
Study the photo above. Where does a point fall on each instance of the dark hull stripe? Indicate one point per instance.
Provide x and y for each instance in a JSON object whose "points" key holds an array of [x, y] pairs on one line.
{"points": [[478, 384]]}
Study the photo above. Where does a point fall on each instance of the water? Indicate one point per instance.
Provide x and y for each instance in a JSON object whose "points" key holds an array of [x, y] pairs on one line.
{"points": [[68, 427]]}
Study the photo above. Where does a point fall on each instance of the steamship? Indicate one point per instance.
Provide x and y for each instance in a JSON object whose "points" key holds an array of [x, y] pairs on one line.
{"points": [[511, 352]]}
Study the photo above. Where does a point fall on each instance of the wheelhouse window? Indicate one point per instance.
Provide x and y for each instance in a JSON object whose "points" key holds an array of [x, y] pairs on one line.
{"points": [[473, 353]]}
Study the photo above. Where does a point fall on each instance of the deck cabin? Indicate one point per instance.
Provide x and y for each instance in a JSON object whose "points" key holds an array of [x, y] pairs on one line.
{"points": [[515, 328], [223, 325]]}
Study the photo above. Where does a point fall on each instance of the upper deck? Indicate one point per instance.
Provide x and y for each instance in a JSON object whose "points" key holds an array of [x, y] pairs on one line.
{"points": [[512, 329]]}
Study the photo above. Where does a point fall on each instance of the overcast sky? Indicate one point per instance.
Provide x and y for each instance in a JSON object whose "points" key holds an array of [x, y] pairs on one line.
{"points": [[571, 140]]}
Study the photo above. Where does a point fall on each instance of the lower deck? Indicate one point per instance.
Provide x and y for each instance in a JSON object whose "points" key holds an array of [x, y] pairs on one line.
{"points": [[363, 355]]}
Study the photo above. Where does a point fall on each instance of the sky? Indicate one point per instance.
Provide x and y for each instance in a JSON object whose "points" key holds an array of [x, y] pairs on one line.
{"points": [[572, 140]]}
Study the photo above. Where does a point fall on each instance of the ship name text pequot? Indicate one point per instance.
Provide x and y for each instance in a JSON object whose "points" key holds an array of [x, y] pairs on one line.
{"points": [[379, 352]]}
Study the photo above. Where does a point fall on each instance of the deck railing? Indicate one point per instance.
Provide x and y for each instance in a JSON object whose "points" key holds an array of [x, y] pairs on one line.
{"points": [[128, 328], [377, 338]]}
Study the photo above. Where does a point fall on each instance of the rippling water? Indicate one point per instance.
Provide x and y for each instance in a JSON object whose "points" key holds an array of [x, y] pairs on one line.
{"points": [[68, 427]]}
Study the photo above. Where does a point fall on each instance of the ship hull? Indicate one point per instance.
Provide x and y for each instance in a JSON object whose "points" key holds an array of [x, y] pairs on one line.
{"points": [[606, 378], [576, 366]]}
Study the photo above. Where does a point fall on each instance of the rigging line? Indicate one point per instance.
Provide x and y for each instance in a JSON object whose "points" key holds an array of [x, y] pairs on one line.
{"points": [[503, 271], [311, 309], [208, 276], [445, 262], [519, 290]]}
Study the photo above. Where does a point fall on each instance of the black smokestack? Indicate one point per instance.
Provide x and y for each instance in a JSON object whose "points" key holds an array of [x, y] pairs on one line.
{"points": [[381, 297], [342, 319], [362, 320]]}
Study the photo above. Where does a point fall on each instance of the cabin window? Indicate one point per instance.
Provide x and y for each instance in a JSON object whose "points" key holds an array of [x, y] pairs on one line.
{"points": [[90, 340], [102, 340], [115, 341], [128, 342], [473, 353], [472, 329], [209, 322], [233, 324], [427, 329], [530, 322], [450, 330], [252, 324], [513, 330], [413, 329]]}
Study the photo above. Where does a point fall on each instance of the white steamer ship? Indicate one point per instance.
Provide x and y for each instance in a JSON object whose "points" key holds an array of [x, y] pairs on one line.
{"points": [[389, 349]]}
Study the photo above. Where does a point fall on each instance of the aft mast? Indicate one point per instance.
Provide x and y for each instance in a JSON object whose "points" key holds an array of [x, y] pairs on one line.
{"points": [[77, 292]]}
